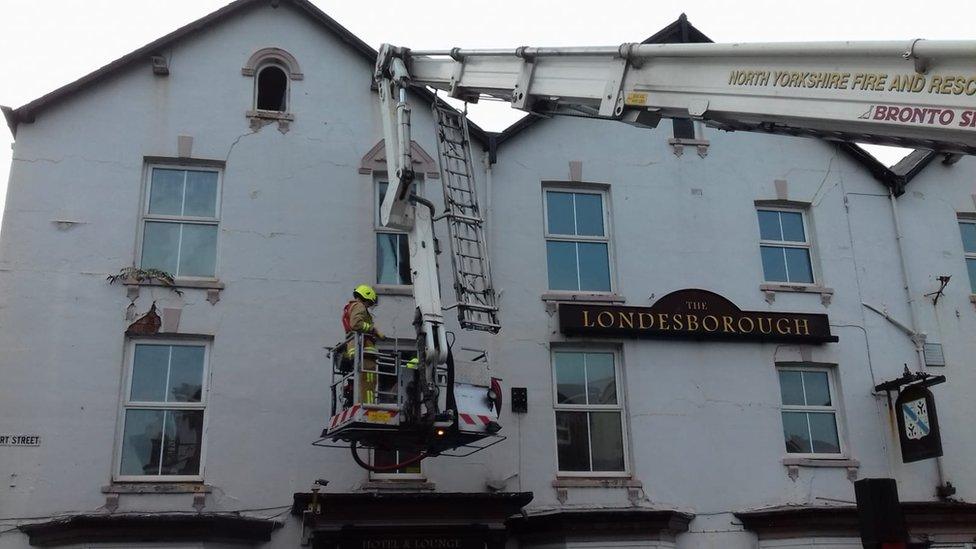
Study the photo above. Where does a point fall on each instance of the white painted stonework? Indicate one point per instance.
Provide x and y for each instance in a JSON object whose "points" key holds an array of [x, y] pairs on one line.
{"points": [[702, 419]]}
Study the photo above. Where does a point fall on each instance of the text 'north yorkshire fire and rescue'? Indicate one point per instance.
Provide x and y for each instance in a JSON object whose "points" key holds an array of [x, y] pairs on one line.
{"points": [[905, 83], [859, 81]]}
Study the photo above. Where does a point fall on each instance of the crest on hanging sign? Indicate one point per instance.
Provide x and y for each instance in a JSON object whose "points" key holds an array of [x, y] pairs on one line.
{"points": [[916, 419], [918, 424]]}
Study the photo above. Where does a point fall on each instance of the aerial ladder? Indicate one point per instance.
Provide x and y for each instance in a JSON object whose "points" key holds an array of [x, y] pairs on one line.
{"points": [[915, 93], [443, 403]]}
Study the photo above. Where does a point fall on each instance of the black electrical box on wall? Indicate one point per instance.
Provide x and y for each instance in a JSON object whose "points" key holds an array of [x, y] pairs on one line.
{"points": [[520, 400]]}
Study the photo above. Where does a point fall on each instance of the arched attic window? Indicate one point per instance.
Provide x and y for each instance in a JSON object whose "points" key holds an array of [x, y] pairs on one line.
{"points": [[271, 89], [274, 70]]}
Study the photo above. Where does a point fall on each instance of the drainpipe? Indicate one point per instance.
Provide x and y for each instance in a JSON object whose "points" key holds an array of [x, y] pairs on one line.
{"points": [[917, 338]]}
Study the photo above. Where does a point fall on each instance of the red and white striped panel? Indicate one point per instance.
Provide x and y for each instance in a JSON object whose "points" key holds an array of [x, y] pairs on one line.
{"points": [[347, 415], [475, 420]]}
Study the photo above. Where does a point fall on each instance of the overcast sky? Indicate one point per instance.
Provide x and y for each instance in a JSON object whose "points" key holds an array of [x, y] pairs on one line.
{"points": [[48, 43]]}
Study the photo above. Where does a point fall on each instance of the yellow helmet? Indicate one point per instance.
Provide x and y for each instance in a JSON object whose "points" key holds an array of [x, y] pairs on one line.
{"points": [[366, 292]]}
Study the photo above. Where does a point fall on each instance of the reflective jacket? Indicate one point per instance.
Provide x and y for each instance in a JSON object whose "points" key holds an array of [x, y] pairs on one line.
{"points": [[356, 318]]}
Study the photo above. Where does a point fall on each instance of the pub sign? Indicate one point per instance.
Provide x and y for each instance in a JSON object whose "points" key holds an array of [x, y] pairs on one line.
{"points": [[918, 424], [693, 314]]}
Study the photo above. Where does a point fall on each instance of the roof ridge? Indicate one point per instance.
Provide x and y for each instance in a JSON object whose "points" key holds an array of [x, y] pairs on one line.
{"points": [[686, 32], [27, 112]]}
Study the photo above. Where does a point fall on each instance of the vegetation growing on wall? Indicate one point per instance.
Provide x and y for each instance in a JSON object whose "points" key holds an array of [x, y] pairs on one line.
{"points": [[137, 275]]}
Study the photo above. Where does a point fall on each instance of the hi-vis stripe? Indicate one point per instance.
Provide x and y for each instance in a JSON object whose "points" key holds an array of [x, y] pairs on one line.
{"points": [[470, 420]]}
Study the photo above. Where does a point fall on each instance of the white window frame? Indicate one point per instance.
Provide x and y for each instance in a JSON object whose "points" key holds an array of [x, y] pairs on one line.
{"points": [[128, 404], [257, 79], [806, 245], [605, 239], [378, 228], [618, 407], [147, 217], [374, 475], [968, 256], [835, 408]]}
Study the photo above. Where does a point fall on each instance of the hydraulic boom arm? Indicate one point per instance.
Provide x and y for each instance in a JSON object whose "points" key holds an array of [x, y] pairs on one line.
{"points": [[906, 93], [399, 210]]}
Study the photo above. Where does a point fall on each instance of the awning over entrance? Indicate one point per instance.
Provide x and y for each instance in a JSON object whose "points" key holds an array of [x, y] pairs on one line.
{"points": [[407, 520], [558, 528], [922, 517], [160, 527]]}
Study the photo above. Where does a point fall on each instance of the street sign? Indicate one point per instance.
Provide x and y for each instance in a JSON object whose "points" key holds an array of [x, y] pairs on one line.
{"points": [[19, 439]]}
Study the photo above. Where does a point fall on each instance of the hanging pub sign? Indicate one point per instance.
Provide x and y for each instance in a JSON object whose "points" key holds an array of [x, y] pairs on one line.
{"points": [[918, 424], [693, 314]]}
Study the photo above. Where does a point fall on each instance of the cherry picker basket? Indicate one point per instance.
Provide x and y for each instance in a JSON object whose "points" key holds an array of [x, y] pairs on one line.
{"points": [[373, 403]]}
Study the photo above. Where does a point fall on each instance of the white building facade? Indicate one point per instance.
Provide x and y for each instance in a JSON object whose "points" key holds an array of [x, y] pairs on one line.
{"points": [[241, 154]]}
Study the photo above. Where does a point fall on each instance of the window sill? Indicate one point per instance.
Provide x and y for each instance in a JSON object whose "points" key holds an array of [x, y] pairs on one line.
{"points": [[259, 119], [270, 115], [770, 289], [393, 289], [793, 465], [597, 482], [179, 283], [820, 462], [591, 297], [213, 287], [679, 144], [156, 487], [398, 485]]}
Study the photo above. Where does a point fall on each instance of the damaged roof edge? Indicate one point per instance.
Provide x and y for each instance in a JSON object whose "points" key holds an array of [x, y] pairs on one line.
{"points": [[913, 163], [897, 176], [11, 118], [26, 113], [679, 31]]}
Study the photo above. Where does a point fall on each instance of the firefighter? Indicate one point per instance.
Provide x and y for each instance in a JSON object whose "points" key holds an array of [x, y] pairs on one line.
{"points": [[357, 319]]}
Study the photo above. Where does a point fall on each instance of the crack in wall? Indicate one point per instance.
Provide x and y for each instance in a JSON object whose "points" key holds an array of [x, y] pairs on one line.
{"points": [[306, 281], [272, 234], [830, 165], [118, 163], [230, 150]]}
